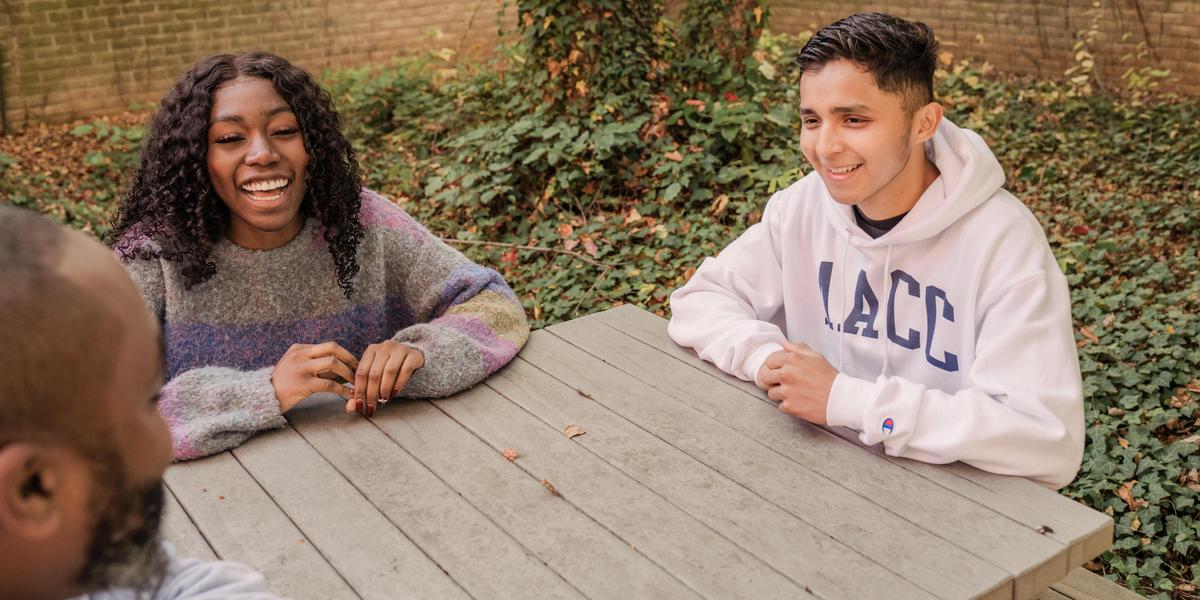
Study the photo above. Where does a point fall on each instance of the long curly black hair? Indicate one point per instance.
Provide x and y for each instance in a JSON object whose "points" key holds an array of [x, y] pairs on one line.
{"points": [[171, 200]]}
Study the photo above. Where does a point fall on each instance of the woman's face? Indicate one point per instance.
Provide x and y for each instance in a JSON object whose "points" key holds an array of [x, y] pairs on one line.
{"points": [[257, 163]]}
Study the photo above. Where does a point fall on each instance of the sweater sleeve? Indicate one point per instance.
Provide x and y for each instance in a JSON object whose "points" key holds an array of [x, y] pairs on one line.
{"points": [[1022, 412], [208, 409], [729, 309], [468, 322]]}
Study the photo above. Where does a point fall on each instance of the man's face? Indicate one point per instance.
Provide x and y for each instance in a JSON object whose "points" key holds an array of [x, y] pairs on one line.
{"points": [[856, 136], [126, 495]]}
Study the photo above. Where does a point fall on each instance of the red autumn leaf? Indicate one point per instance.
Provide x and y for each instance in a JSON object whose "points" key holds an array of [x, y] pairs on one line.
{"points": [[510, 453], [572, 431], [509, 257], [565, 230], [731, 97], [698, 104], [1080, 230], [590, 247]]}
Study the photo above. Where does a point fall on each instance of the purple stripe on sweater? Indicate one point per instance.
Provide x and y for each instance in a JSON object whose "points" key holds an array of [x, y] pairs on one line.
{"points": [[253, 346], [495, 351]]}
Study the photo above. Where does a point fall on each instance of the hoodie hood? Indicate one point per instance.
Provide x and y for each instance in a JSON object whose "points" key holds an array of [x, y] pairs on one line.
{"points": [[970, 174]]}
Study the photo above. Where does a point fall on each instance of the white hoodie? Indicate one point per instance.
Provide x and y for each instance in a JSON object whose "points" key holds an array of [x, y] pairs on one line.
{"points": [[951, 332]]}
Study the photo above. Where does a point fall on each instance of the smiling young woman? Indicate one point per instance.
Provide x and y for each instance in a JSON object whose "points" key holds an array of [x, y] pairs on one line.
{"points": [[257, 163], [276, 276]]}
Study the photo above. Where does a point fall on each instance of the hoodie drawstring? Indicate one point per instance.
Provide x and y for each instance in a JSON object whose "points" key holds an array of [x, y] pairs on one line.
{"points": [[842, 312], [887, 291]]}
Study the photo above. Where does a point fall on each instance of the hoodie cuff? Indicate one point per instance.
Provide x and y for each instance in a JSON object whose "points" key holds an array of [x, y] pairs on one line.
{"points": [[849, 399], [754, 364]]}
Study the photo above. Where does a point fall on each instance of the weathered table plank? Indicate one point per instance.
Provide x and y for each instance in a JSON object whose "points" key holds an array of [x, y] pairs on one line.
{"points": [[242, 524], [887, 538], [178, 528], [688, 484], [698, 556], [797, 550], [478, 554], [592, 558], [1086, 532], [367, 550]]}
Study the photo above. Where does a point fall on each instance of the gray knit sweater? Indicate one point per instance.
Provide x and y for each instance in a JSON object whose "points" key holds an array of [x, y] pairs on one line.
{"points": [[224, 336]]}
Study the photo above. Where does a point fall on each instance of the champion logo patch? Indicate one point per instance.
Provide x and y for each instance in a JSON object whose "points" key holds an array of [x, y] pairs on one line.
{"points": [[888, 425]]}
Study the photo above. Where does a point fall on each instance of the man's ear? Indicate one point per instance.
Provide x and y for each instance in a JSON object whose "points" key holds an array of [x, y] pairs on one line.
{"points": [[925, 122], [32, 478]]}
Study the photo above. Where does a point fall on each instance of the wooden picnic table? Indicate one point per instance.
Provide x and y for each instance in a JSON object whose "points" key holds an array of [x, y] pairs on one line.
{"points": [[687, 484]]}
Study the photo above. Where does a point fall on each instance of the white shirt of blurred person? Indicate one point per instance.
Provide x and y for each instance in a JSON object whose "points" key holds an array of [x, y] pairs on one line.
{"points": [[82, 445]]}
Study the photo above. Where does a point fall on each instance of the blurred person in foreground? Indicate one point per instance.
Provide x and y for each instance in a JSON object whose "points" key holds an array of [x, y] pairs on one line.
{"points": [[82, 445]]}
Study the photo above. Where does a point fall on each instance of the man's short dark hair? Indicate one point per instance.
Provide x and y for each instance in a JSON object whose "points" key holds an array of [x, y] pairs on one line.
{"points": [[901, 54], [56, 343]]}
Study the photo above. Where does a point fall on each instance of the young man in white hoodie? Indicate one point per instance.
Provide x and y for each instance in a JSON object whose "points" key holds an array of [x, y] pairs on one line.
{"points": [[897, 289]]}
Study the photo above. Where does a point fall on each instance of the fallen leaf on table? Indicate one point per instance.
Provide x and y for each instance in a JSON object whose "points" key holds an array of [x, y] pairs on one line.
{"points": [[510, 453], [585, 394], [573, 431], [550, 488], [1044, 529]]}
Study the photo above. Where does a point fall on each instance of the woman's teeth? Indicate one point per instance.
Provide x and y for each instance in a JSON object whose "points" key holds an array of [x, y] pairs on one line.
{"points": [[262, 189], [844, 170]]}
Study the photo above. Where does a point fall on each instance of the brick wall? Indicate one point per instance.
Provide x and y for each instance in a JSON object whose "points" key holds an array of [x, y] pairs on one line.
{"points": [[1036, 37], [63, 59], [69, 58]]}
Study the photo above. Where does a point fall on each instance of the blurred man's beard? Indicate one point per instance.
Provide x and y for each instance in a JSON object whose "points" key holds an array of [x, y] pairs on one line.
{"points": [[125, 550]]}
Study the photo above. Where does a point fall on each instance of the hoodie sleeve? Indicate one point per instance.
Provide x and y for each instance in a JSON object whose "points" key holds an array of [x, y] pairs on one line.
{"points": [[727, 311], [1022, 412]]}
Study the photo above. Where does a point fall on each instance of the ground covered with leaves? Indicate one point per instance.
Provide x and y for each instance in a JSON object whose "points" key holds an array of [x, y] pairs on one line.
{"points": [[589, 187]]}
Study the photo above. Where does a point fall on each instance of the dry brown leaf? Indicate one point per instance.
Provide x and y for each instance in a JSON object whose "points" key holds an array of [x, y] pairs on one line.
{"points": [[673, 155], [510, 453], [565, 230], [590, 247], [1087, 333], [1114, 411], [584, 394], [572, 431], [719, 205], [1123, 442], [1125, 493], [1044, 529], [550, 488]]}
